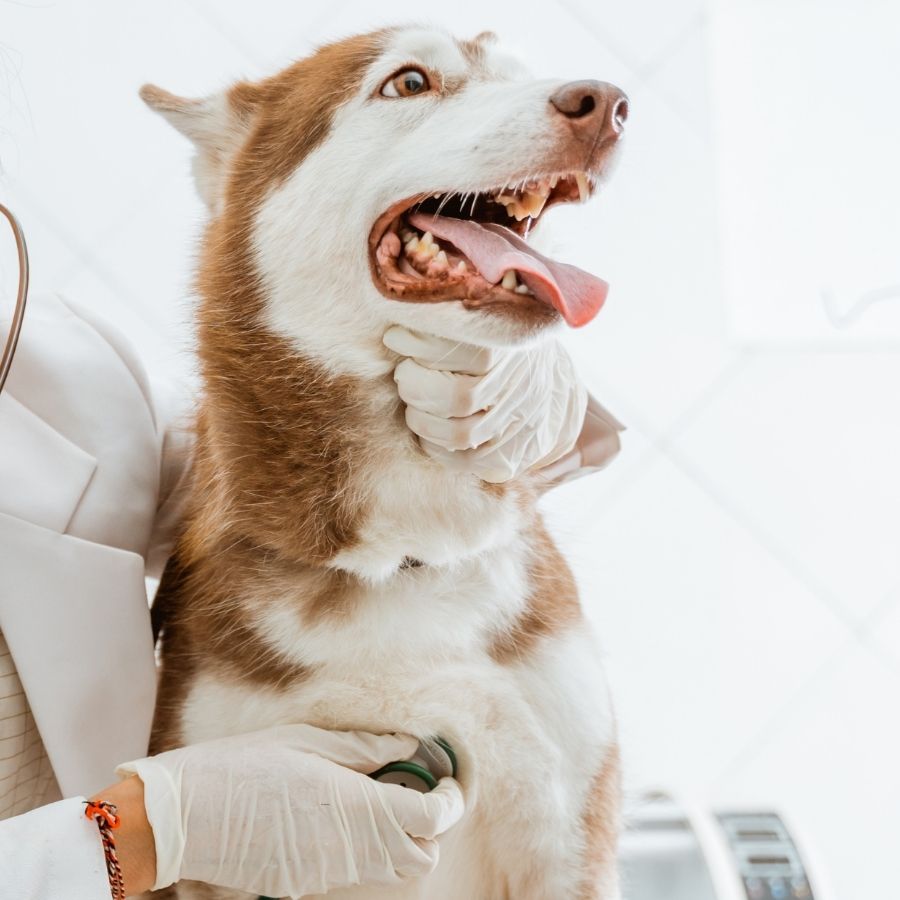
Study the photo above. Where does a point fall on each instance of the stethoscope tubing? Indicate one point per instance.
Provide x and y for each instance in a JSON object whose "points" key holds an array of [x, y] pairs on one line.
{"points": [[9, 351]]}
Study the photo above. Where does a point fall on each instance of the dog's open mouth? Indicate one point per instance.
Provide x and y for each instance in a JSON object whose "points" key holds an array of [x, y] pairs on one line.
{"points": [[473, 247]]}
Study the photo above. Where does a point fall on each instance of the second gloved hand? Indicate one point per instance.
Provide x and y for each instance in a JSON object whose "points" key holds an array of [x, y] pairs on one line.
{"points": [[286, 812], [494, 413]]}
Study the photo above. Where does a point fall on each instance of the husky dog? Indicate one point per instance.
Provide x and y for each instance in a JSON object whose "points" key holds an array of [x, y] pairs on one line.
{"points": [[329, 571]]}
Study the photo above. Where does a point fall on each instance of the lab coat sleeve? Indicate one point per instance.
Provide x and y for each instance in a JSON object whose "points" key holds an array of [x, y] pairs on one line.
{"points": [[53, 853], [597, 446]]}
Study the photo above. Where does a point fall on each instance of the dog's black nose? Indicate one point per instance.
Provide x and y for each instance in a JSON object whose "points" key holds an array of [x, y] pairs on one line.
{"points": [[592, 103]]}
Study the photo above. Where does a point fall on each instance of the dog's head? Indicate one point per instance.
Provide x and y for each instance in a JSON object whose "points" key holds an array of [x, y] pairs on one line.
{"points": [[397, 178]]}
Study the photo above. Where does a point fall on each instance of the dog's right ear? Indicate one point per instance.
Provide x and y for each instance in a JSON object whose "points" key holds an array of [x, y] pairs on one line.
{"points": [[217, 126]]}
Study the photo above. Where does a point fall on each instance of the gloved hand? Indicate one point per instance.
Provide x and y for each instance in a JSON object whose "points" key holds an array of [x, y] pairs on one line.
{"points": [[285, 812], [494, 413]]}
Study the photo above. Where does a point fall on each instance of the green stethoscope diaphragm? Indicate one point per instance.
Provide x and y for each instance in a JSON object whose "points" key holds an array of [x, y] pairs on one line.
{"points": [[434, 760], [408, 775]]}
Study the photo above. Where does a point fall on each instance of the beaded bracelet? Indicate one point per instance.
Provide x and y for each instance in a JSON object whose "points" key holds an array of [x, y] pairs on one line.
{"points": [[104, 814]]}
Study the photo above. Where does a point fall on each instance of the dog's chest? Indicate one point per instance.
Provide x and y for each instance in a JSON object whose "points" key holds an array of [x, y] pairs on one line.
{"points": [[416, 617], [407, 651], [416, 509]]}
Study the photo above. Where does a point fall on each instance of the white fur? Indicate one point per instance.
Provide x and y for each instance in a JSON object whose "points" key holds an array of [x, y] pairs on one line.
{"points": [[379, 152], [457, 521], [527, 751]]}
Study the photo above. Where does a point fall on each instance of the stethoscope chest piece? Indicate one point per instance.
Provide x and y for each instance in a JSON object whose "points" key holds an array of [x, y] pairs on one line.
{"points": [[433, 761]]}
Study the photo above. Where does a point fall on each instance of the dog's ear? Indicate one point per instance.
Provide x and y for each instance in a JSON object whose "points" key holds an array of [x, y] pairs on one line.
{"points": [[217, 125]]}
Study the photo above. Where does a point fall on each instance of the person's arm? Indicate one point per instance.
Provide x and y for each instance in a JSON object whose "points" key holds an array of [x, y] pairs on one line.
{"points": [[135, 847], [219, 812], [497, 413], [52, 853]]}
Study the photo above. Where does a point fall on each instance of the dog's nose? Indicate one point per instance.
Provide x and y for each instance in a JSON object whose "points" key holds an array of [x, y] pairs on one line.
{"points": [[589, 104]]}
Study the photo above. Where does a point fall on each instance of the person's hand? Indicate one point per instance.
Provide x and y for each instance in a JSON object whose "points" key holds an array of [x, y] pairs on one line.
{"points": [[494, 413], [286, 812]]}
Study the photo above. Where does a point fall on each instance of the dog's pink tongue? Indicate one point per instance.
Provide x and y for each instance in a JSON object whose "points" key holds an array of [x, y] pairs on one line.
{"points": [[494, 250]]}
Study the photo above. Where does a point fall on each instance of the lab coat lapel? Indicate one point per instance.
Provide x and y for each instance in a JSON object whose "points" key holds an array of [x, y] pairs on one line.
{"points": [[75, 617], [31, 445]]}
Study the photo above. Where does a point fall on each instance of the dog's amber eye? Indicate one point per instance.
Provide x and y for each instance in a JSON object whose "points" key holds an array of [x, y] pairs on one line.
{"points": [[406, 84]]}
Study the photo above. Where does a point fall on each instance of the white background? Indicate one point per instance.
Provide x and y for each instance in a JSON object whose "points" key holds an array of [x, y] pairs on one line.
{"points": [[741, 559]]}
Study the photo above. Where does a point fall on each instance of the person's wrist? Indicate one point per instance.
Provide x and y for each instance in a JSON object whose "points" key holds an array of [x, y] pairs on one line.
{"points": [[135, 847]]}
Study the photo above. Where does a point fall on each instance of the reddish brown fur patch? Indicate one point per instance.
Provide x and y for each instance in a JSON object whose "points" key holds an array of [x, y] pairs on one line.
{"points": [[474, 49], [275, 433], [552, 605], [601, 828]]}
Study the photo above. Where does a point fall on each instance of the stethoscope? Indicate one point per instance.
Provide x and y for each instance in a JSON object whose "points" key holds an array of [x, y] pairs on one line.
{"points": [[21, 296]]}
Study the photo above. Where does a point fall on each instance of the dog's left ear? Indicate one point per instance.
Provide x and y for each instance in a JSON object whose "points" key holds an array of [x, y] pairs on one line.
{"points": [[217, 125]]}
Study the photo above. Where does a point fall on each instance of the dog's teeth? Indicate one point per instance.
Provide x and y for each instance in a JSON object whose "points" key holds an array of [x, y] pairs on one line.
{"points": [[554, 181], [584, 188], [412, 245], [509, 280], [461, 267], [406, 235], [441, 259], [522, 289], [434, 249], [426, 240], [533, 204]]}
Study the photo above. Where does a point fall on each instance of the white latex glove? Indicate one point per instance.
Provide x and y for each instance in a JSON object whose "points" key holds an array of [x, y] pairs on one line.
{"points": [[494, 413], [285, 812]]}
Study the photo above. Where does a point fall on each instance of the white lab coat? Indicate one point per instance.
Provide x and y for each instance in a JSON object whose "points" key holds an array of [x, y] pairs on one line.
{"points": [[85, 457]]}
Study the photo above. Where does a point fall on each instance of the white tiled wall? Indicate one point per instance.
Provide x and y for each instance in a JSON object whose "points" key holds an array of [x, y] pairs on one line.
{"points": [[741, 558]]}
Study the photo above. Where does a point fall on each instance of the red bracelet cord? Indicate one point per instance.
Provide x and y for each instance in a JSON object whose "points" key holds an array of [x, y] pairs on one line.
{"points": [[104, 814]]}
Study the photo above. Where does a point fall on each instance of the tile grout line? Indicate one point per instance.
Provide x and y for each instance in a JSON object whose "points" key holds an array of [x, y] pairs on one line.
{"points": [[774, 723], [644, 71], [656, 444], [763, 538]]}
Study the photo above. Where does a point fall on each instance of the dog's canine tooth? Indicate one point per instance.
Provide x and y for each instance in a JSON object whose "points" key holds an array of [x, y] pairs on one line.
{"points": [[554, 181], [533, 203], [584, 188], [461, 267], [426, 240], [441, 259], [509, 281]]}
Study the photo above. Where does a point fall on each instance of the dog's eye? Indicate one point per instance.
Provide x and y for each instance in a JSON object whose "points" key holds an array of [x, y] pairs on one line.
{"points": [[406, 84]]}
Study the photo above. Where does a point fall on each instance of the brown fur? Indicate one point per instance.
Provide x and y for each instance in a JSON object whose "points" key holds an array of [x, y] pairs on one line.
{"points": [[275, 433], [552, 602], [474, 48], [601, 826]]}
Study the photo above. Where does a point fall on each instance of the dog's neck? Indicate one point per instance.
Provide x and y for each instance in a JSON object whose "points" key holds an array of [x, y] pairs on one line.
{"points": [[321, 468]]}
